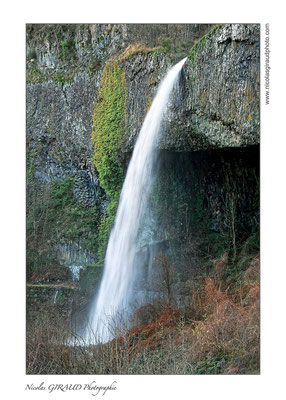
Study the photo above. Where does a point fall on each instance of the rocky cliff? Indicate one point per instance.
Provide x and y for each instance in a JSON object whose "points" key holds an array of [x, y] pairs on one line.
{"points": [[214, 106], [219, 102]]}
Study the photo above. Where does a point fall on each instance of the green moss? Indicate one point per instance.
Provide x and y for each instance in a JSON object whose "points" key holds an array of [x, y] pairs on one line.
{"points": [[202, 43], [67, 49], [35, 75], [167, 44], [108, 132], [72, 218], [158, 51], [63, 39], [63, 78], [108, 128], [52, 285], [54, 215], [193, 53]]}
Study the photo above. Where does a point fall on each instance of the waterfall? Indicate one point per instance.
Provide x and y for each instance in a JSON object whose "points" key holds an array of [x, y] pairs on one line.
{"points": [[56, 296], [116, 292]]}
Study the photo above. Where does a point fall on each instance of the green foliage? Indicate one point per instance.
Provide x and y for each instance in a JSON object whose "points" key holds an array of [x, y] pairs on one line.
{"points": [[35, 75], [108, 128], [193, 54], [63, 78], [108, 131], [248, 249], [211, 366], [197, 47], [157, 52], [72, 218], [60, 214], [201, 43], [218, 243], [54, 214], [167, 44], [61, 193], [67, 49], [252, 244]]}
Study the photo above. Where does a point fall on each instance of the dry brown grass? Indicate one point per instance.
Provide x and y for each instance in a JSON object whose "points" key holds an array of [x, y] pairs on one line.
{"points": [[135, 49], [221, 327], [231, 324], [218, 333], [45, 350]]}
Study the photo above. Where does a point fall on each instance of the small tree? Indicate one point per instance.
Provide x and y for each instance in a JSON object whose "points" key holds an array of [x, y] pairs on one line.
{"points": [[163, 264], [230, 204]]}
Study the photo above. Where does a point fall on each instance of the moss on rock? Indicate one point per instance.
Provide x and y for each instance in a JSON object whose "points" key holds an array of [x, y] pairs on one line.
{"points": [[108, 131]]}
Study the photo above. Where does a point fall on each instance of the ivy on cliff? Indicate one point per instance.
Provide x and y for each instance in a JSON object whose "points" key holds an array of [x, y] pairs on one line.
{"points": [[55, 216], [108, 130]]}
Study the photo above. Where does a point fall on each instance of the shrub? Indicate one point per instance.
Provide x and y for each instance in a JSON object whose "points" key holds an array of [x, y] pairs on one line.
{"points": [[230, 327], [57, 216], [167, 43], [67, 49], [218, 333], [135, 49]]}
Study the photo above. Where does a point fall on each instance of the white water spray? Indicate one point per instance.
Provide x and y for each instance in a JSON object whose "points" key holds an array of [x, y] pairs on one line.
{"points": [[117, 286]]}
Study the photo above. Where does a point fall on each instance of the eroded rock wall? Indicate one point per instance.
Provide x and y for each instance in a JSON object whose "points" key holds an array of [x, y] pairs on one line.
{"points": [[220, 94], [214, 106]]}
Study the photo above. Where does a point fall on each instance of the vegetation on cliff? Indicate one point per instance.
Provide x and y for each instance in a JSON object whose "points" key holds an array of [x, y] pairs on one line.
{"points": [[108, 131], [199, 45], [58, 219]]}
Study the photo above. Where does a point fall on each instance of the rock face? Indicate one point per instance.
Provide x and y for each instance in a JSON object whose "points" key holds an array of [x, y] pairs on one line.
{"points": [[64, 68], [59, 125], [218, 103], [55, 47], [143, 74], [214, 106]]}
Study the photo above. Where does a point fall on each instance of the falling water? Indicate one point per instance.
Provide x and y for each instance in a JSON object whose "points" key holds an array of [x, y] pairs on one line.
{"points": [[56, 296], [117, 285]]}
